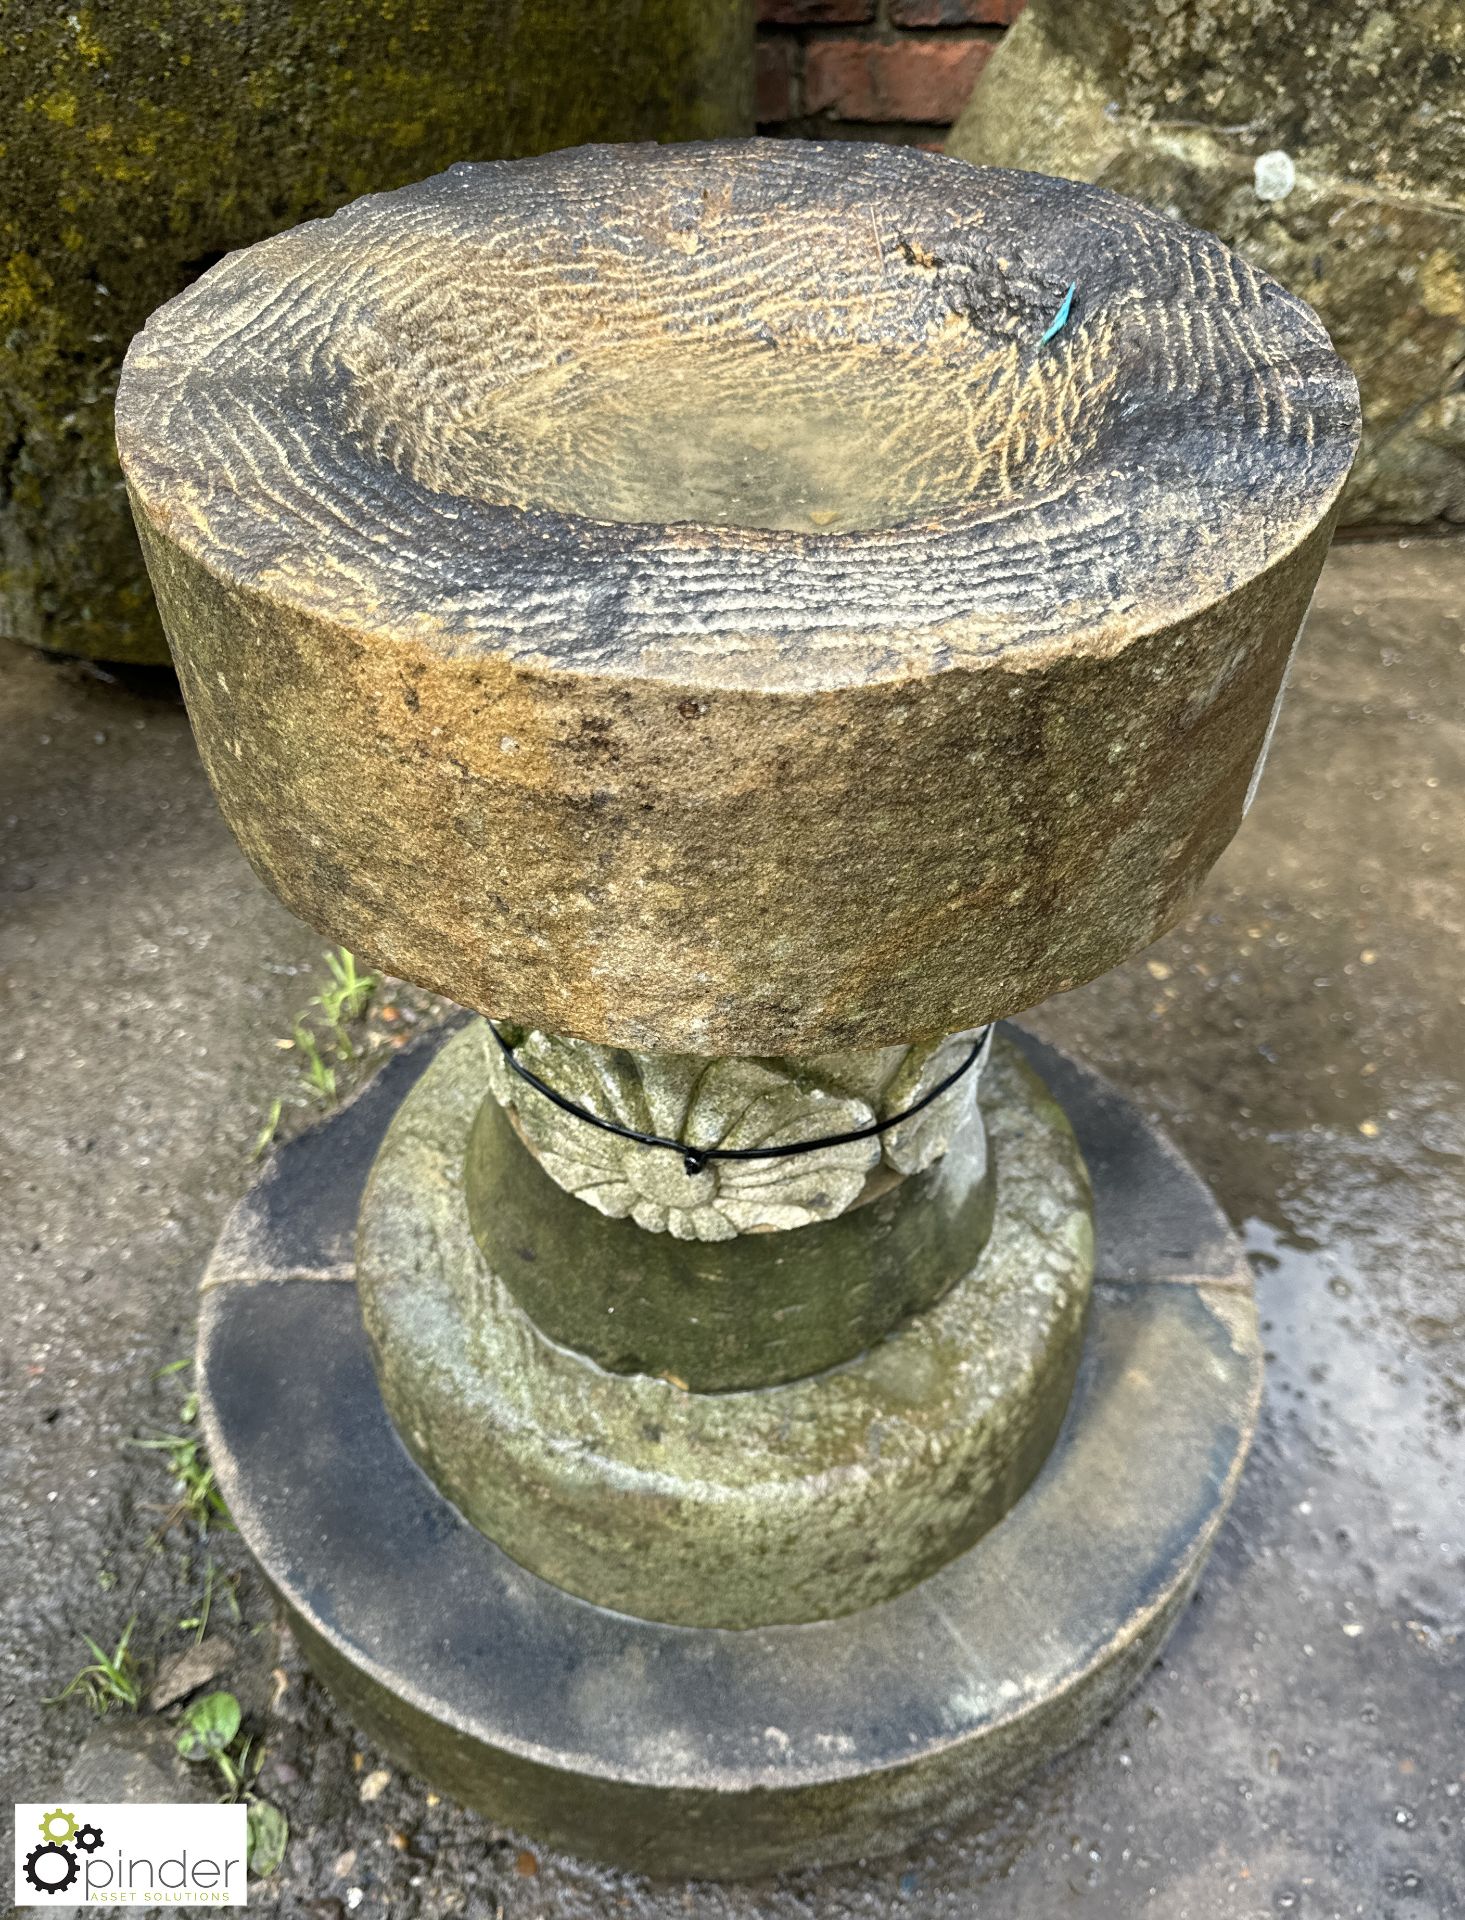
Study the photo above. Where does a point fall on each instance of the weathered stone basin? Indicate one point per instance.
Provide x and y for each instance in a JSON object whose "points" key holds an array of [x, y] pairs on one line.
{"points": [[735, 598]]}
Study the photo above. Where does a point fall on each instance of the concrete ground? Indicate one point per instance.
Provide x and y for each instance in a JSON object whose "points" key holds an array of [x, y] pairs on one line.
{"points": [[1299, 1750]]}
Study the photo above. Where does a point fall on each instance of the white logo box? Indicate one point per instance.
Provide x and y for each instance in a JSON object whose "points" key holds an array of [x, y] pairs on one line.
{"points": [[70, 1853]]}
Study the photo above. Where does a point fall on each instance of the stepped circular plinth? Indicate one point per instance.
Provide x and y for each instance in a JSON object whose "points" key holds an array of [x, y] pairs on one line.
{"points": [[693, 1750], [739, 598]]}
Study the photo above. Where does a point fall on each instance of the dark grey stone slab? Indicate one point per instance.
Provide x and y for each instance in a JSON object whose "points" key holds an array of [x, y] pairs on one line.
{"points": [[1154, 1217], [300, 1215]]}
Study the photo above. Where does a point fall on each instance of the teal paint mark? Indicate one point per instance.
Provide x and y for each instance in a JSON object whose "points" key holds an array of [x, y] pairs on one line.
{"points": [[1060, 319]]}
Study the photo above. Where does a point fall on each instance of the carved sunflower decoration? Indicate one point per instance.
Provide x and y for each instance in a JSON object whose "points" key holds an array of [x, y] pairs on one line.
{"points": [[892, 1079], [728, 1104]]}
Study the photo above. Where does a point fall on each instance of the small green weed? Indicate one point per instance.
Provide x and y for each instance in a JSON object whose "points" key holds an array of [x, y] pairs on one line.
{"points": [[110, 1679], [197, 1498], [267, 1835], [349, 993], [208, 1728], [210, 1732], [198, 1623], [268, 1131], [320, 1077], [321, 1035]]}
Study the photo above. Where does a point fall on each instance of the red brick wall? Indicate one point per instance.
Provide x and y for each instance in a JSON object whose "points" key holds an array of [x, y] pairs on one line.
{"points": [[872, 69]]}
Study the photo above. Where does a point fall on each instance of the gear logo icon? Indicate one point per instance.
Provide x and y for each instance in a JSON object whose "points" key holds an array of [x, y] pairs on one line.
{"points": [[49, 1824], [42, 1871], [53, 1866]]}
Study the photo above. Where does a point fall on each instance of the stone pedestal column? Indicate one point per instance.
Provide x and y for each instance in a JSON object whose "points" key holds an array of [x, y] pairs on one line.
{"points": [[786, 1425], [744, 618]]}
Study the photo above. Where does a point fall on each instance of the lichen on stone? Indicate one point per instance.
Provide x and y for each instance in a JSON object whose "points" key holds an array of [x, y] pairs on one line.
{"points": [[1322, 139]]}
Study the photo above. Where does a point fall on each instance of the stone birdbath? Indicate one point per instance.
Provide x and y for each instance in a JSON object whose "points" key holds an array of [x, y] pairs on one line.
{"points": [[742, 619]]}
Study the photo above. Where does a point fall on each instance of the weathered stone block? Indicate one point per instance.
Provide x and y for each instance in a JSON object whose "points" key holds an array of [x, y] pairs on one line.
{"points": [[142, 141], [1324, 139]]}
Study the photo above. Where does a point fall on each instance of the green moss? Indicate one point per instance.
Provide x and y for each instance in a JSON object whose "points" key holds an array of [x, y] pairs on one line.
{"points": [[142, 143], [750, 1311]]}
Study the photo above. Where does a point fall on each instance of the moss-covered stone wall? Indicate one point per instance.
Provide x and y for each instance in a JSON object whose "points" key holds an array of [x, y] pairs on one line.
{"points": [[140, 140], [1323, 139]]}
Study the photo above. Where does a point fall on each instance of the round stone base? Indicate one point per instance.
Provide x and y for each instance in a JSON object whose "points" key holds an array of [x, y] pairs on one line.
{"points": [[783, 1504], [677, 1750]]}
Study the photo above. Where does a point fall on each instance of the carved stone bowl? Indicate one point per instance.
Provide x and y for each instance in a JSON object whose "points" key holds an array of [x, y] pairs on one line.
{"points": [[735, 598]]}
